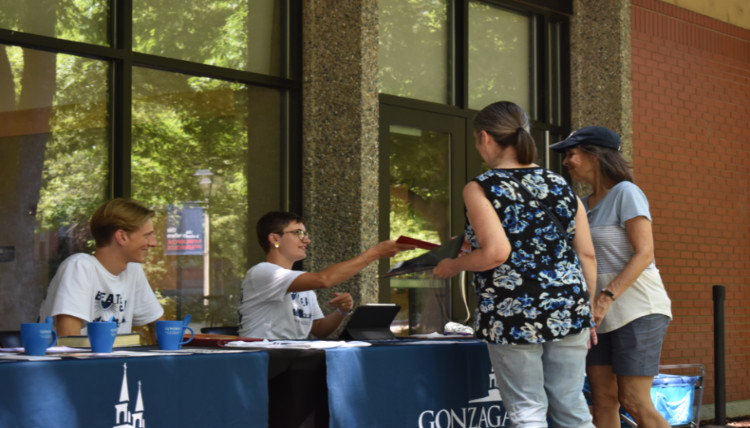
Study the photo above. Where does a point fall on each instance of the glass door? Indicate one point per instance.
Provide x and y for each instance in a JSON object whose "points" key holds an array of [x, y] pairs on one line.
{"points": [[423, 163]]}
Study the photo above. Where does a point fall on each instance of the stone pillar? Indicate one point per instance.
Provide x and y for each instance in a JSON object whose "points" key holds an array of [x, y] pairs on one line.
{"points": [[340, 137], [600, 67]]}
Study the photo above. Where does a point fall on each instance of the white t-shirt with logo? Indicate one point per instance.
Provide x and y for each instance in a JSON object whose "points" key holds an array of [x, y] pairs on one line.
{"points": [[269, 311], [85, 289]]}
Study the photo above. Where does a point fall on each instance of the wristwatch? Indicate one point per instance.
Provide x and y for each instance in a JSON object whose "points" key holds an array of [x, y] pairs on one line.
{"points": [[609, 293]]}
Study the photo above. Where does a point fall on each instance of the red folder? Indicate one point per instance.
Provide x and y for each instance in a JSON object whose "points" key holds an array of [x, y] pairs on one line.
{"points": [[416, 242]]}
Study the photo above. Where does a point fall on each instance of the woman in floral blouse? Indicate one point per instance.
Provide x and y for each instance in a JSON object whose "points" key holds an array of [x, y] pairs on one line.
{"points": [[531, 268]]}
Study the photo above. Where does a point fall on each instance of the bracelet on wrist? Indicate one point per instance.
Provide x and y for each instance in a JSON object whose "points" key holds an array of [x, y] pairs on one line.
{"points": [[609, 293], [342, 313]]}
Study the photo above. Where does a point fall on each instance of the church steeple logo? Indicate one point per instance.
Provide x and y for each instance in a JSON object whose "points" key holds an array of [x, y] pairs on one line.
{"points": [[124, 417], [493, 394]]}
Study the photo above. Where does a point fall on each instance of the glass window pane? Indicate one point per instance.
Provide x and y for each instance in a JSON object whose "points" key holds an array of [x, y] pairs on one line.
{"points": [[413, 49], [419, 195], [242, 35], [78, 20], [194, 139], [53, 167], [499, 56]]}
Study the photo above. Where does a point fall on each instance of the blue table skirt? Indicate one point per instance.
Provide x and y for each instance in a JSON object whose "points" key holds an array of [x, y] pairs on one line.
{"points": [[413, 385], [217, 390]]}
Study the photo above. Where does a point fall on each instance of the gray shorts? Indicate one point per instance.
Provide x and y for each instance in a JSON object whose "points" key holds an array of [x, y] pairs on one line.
{"points": [[633, 349]]}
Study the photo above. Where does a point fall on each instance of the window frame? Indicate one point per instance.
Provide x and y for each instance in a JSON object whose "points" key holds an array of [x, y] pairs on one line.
{"points": [[550, 101]]}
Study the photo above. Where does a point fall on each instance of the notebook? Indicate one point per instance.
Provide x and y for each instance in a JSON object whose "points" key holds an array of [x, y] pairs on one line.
{"points": [[371, 322], [122, 340]]}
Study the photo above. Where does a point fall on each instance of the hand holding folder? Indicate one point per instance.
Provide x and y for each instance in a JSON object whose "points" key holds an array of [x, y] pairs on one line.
{"points": [[426, 261]]}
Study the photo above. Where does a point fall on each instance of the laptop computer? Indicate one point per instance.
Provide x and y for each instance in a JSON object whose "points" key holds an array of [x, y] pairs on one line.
{"points": [[371, 322]]}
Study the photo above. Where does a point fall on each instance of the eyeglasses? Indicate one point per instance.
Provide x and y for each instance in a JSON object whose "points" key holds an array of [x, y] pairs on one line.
{"points": [[301, 233]]}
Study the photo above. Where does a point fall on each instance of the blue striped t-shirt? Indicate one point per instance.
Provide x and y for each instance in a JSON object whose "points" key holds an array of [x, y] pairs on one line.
{"points": [[607, 219]]}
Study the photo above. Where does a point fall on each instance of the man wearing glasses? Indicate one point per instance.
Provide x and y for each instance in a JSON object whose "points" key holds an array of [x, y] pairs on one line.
{"points": [[280, 303]]}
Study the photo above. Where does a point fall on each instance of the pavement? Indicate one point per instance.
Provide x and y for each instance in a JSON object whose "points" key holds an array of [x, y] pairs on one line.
{"points": [[733, 422]]}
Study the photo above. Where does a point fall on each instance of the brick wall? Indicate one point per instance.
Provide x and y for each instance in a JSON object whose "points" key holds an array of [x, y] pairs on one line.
{"points": [[691, 155]]}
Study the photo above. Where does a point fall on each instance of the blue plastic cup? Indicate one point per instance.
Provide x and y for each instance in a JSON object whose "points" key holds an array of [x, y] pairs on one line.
{"points": [[170, 334], [102, 336], [37, 337]]}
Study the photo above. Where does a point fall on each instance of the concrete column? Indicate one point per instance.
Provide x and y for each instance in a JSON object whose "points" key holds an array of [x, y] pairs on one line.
{"points": [[340, 137], [600, 67]]}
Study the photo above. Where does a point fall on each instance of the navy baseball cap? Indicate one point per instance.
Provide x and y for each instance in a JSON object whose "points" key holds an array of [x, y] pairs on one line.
{"points": [[590, 135]]}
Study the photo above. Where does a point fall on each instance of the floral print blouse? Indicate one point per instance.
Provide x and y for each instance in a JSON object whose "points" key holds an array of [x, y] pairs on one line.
{"points": [[538, 294]]}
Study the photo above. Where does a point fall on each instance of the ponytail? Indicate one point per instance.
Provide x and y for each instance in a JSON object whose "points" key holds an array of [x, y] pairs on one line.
{"points": [[508, 125]]}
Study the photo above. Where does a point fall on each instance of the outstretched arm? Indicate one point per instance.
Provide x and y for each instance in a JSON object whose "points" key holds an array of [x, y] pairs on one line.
{"points": [[340, 272]]}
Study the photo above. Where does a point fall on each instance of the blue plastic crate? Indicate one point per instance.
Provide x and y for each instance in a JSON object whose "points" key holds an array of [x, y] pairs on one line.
{"points": [[674, 397]]}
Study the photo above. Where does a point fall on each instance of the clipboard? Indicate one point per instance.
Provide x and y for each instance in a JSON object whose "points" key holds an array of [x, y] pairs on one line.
{"points": [[429, 260], [371, 322]]}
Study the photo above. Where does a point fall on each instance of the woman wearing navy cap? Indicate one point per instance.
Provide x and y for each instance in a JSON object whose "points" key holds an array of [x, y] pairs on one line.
{"points": [[631, 308]]}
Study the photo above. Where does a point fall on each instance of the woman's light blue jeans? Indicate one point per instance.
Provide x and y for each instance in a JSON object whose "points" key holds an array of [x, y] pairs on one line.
{"points": [[545, 379]]}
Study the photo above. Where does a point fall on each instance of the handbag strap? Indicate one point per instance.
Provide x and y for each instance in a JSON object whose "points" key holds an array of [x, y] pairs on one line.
{"points": [[549, 212]]}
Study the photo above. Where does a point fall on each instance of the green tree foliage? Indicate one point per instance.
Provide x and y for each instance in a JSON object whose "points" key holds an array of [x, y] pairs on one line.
{"points": [[180, 124], [74, 177], [414, 38], [207, 32], [420, 186]]}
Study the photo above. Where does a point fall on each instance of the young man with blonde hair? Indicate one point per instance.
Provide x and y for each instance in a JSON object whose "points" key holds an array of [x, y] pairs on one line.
{"points": [[111, 282]]}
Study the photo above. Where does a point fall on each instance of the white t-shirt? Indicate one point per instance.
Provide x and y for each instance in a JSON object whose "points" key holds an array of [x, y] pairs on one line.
{"points": [[269, 311], [607, 219], [85, 289]]}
